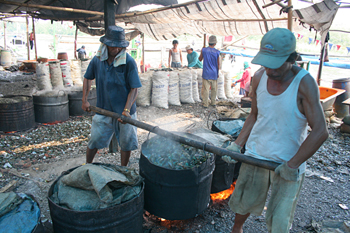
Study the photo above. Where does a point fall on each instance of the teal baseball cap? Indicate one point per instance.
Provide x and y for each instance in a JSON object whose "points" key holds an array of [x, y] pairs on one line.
{"points": [[275, 48]]}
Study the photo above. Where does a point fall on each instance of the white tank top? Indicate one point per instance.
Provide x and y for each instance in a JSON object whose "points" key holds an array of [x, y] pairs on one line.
{"points": [[175, 56], [280, 127]]}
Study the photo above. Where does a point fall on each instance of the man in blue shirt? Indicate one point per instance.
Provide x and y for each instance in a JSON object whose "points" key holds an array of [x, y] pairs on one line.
{"points": [[192, 58], [211, 57], [117, 81]]}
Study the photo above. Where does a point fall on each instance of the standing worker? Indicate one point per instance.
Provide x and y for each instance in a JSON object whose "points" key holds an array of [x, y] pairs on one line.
{"points": [[247, 75], [117, 81], [192, 58], [285, 99], [31, 40], [211, 64], [81, 52], [175, 55]]}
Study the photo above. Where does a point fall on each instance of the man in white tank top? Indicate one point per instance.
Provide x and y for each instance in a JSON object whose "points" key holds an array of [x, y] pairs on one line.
{"points": [[285, 99]]}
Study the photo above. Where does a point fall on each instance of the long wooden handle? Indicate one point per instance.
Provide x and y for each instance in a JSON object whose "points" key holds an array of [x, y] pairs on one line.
{"points": [[190, 142]]}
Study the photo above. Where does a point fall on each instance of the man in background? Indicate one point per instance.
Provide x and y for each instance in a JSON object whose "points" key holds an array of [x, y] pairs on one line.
{"points": [[211, 64], [81, 52], [192, 58]]}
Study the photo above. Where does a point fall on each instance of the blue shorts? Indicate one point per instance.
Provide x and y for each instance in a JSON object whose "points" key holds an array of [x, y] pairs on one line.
{"points": [[175, 64], [102, 130]]}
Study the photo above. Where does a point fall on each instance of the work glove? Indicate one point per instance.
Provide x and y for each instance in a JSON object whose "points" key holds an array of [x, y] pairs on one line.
{"points": [[287, 173], [235, 148]]}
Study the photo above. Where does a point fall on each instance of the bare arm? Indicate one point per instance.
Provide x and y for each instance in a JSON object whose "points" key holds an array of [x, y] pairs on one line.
{"points": [[201, 56], [169, 58], [180, 56], [129, 102], [86, 89], [251, 119], [310, 101]]}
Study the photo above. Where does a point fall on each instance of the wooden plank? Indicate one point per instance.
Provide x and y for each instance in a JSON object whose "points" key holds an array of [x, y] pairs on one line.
{"points": [[54, 8], [8, 186]]}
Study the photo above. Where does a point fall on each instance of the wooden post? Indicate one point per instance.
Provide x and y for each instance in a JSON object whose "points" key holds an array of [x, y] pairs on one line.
{"points": [[28, 49], [205, 40], [109, 13], [290, 16], [75, 41], [143, 53], [4, 34], [36, 52], [320, 66]]}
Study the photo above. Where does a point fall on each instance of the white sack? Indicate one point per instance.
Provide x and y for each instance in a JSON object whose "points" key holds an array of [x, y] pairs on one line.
{"points": [[221, 86], [56, 75], [186, 86], [200, 82], [228, 82], [67, 79], [43, 76], [195, 93], [75, 68], [160, 83], [144, 92], [174, 92]]}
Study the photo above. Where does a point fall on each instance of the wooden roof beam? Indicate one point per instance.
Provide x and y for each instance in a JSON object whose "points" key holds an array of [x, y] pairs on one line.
{"points": [[54, 8]]}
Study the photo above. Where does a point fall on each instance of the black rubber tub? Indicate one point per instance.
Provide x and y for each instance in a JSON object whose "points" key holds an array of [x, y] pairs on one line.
{"points": [[51, 109], [176, 194], [75, 102], [225, 174], [17, 116], [124, 218]]}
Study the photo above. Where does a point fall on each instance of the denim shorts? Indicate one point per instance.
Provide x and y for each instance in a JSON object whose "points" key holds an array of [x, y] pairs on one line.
{"points": [[102, 130], [175, 64]]}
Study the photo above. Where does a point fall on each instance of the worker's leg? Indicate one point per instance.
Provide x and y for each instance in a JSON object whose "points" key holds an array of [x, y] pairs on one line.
{"points": [[239, 221], [90, 154], [214, 90], [125, 156], [127, 138], [101, 135], [205, 92], [249, 195], [281, 207]]}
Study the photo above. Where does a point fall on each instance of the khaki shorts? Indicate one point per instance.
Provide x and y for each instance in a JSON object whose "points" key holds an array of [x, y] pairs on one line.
{"points": [[251, 191]]}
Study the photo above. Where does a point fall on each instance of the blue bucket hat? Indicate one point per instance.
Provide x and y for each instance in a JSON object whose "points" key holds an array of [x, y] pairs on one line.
{"points": [[115, 37]]}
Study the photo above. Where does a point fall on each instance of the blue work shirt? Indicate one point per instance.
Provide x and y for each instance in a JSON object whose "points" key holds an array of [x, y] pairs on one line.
{"points": [[193, 61], [113, 84], [210, 63]]}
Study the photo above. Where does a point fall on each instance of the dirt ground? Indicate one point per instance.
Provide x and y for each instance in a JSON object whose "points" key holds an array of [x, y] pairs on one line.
{"points": [[30, 161]]}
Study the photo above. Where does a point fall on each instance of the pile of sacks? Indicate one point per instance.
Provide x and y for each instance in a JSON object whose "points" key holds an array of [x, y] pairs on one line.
{"points": [[162, 88], [56, 75]]}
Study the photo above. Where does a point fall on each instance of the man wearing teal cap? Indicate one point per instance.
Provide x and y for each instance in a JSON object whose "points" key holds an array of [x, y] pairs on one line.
{"points": [[285, 99], [246, 76]]}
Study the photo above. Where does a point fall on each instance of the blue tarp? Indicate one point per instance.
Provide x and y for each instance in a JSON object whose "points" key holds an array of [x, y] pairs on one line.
{"points": [[334, 62]]}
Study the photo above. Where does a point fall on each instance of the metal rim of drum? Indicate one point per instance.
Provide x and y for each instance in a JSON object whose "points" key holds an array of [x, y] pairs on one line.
{"points": [[139, 199]]}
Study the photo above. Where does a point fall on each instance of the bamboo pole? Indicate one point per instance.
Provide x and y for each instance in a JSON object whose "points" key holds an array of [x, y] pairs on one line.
{"points": [[75, 41], [205, 40], [271, 3], [233, 42], [320, 66], [54, 8], [241, 20], [4, 34], [36, 52], [28, 49], [290, 16], [131, 14], [199, 145], [143, 53]]}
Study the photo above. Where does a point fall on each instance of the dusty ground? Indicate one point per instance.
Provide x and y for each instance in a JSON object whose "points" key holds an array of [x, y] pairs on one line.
{"points": [[30, 161]]}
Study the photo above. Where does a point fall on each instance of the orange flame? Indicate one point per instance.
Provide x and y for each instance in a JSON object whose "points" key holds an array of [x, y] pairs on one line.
{"points": [[223, 195]]}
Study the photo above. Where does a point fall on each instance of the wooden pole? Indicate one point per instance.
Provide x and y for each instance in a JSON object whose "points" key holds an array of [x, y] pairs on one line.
{"points": [[4, 34], [187, 141], [320, 66], [143, 53], [28, 49], [36, 52], [290, 16], [205, 40], [53, 8], [109, 13], [75, 41]]}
